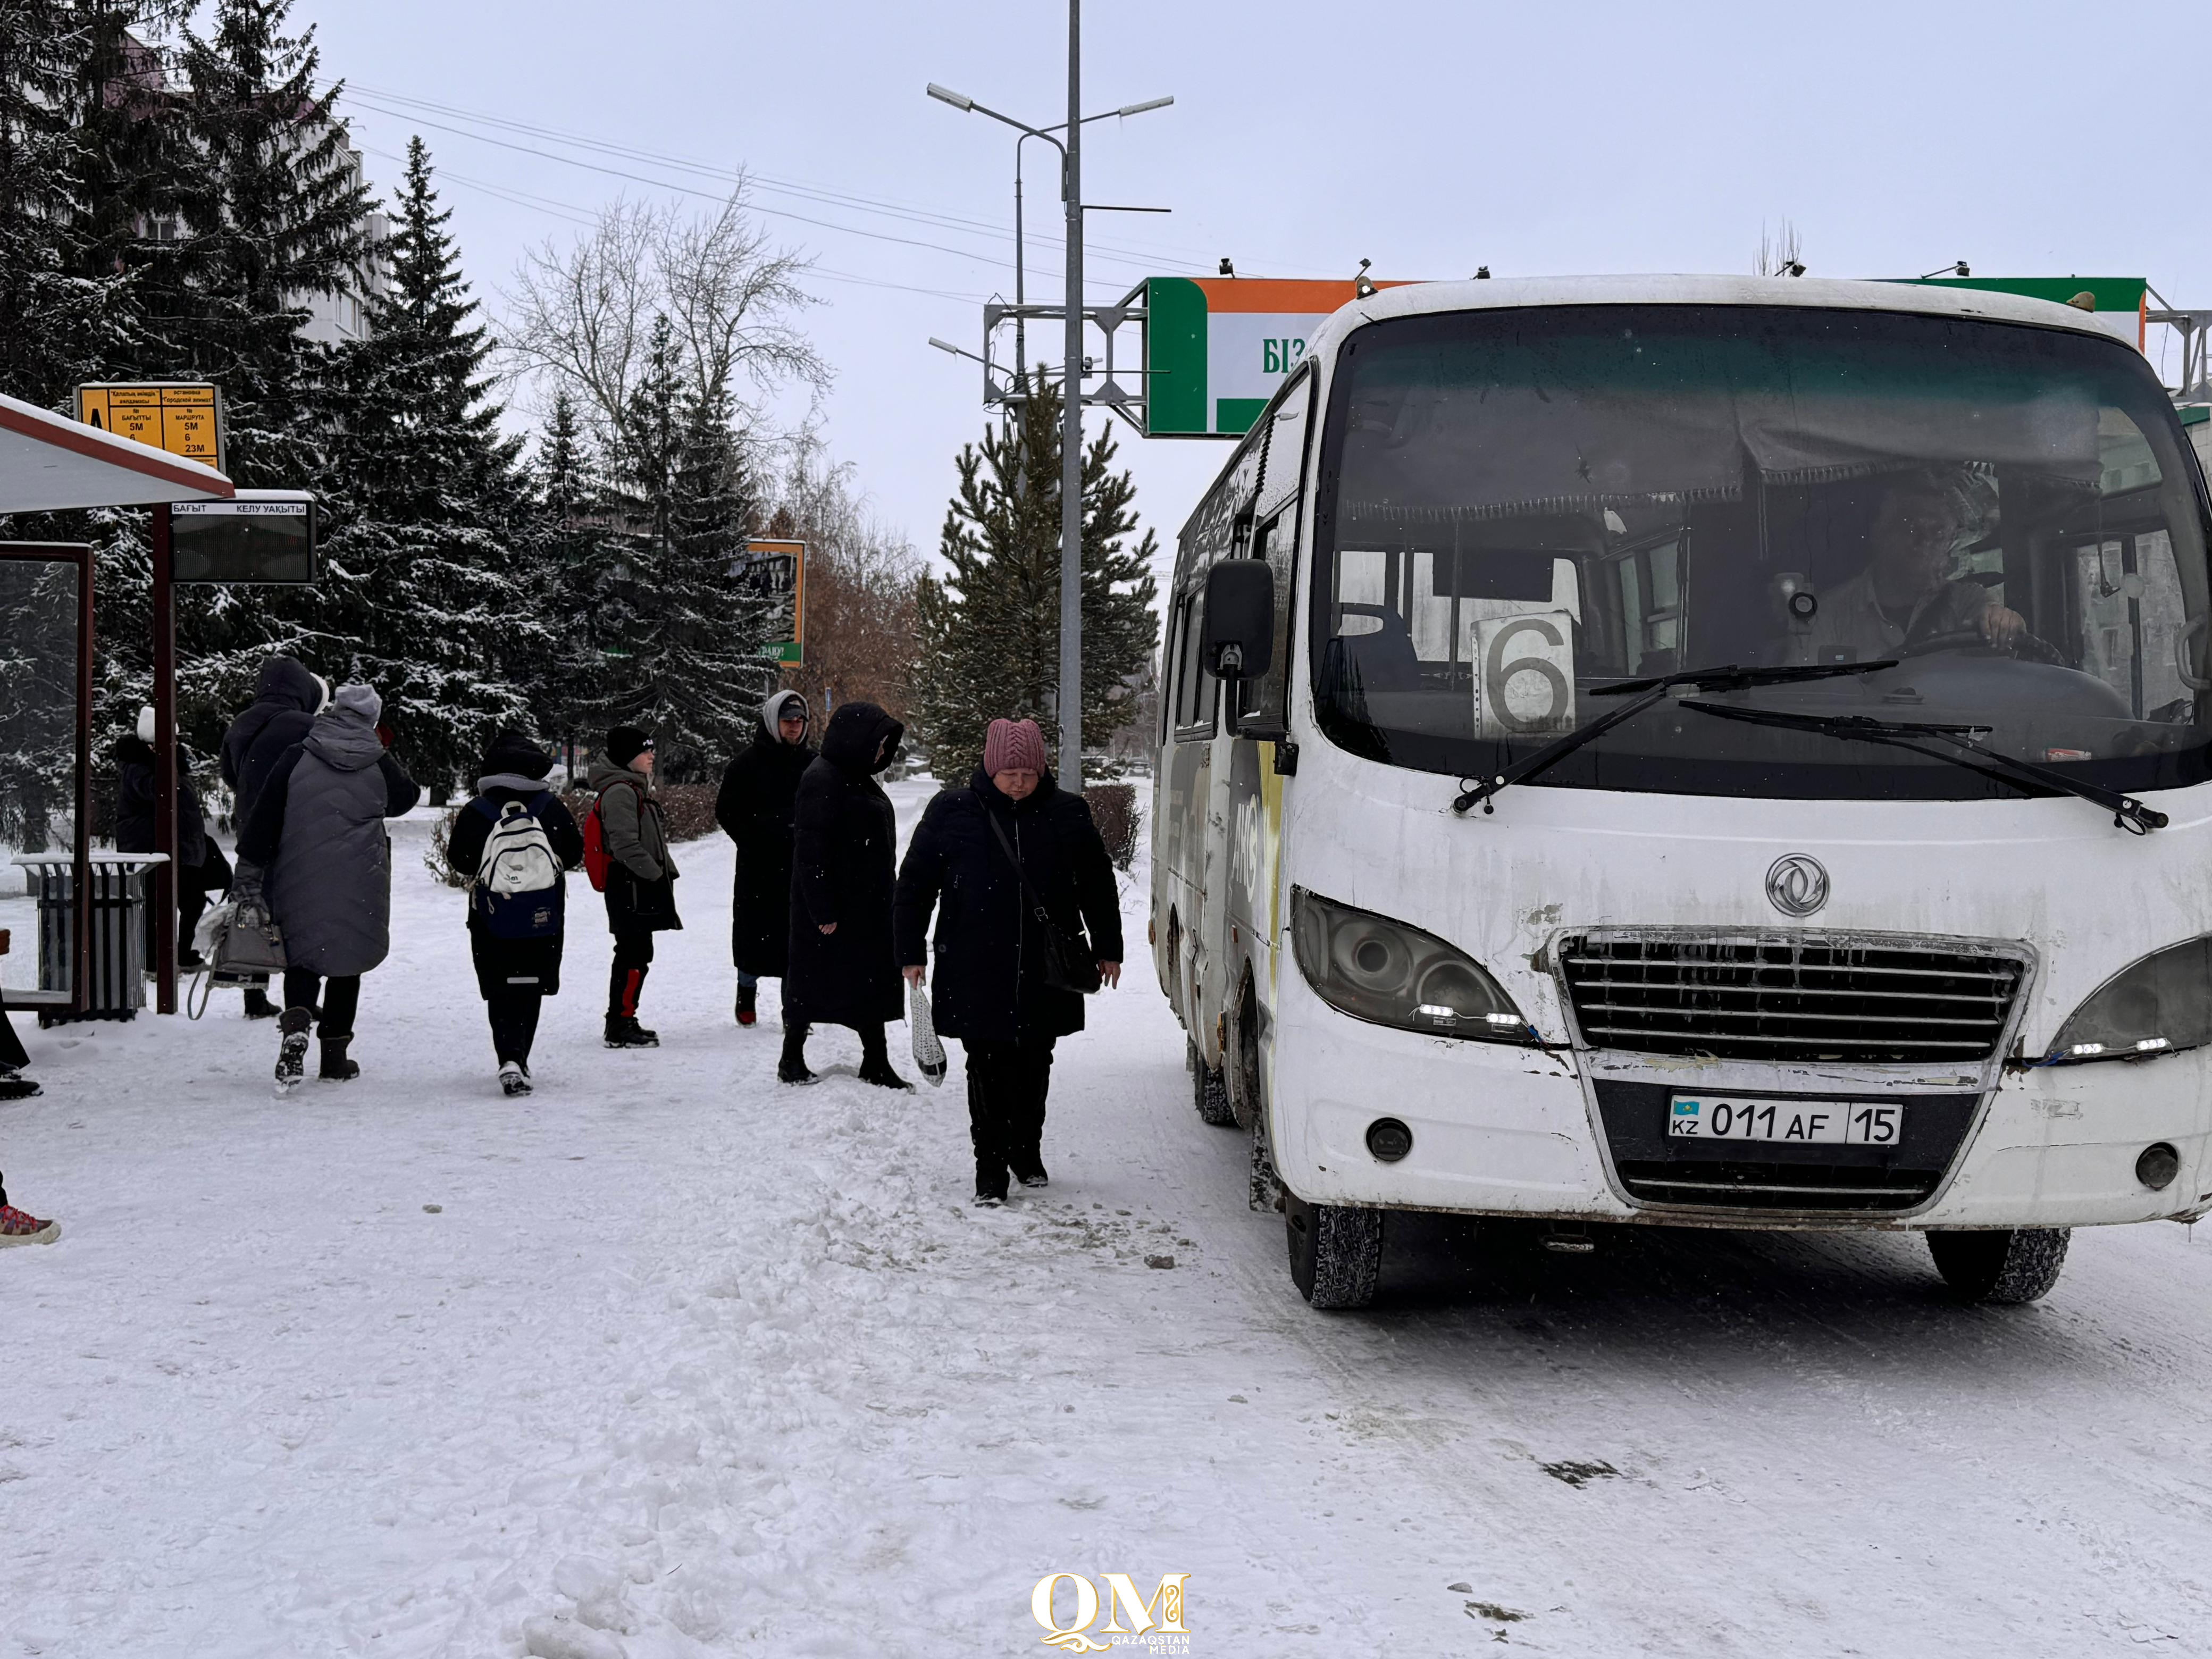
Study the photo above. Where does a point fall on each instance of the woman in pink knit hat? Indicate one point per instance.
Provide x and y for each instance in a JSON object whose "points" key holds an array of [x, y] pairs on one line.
{"points": [[985, 858]]}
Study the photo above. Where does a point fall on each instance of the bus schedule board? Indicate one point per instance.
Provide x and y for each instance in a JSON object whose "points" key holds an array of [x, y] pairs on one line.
{"points": [[1216, 347], [182, 417], [776, 571], [265, 536]]}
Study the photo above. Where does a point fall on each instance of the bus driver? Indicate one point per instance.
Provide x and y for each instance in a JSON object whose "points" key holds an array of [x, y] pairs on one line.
{"points": [[1902, 593]]}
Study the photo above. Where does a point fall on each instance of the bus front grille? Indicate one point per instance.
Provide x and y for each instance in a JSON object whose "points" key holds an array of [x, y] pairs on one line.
{"points": [[1788, 997], [1746, 1185]]}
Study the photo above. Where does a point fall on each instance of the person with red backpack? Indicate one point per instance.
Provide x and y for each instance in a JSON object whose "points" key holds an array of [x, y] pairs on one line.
{"points": [[514, 841], [626, 856]]}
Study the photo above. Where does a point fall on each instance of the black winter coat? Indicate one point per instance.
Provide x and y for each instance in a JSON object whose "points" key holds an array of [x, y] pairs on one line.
{"points": [[283, 713], [500, 963], [755, 806], [987, 987], [134, 805], [843, 869]]}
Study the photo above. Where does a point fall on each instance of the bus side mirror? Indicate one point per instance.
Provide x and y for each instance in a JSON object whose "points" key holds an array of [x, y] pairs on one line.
{"points": [[1240, 619]]}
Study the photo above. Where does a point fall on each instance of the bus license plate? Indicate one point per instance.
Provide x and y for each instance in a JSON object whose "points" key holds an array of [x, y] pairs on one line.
{"points": [[1830, 1122]]}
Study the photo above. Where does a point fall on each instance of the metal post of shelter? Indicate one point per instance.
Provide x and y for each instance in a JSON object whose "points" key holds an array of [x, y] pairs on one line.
{"points": [[164, 897]]}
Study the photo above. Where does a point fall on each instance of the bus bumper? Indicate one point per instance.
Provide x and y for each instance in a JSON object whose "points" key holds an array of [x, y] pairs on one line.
{"points": [[1502, 1130]]}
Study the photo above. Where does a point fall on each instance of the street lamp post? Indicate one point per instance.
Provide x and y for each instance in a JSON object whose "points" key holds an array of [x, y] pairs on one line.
{"points": [[1071, 439], [1071, 433]]}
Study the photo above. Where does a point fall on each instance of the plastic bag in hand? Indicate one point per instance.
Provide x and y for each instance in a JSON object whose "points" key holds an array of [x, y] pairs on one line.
{"points": [[928, 1052]]}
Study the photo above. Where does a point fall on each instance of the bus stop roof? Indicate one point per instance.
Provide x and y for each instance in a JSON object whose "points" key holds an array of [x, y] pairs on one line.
{"points": [[49, 463]]}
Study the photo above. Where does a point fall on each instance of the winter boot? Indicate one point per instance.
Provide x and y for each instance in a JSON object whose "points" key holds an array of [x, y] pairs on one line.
{"points": [[18, 1228], [514, 1077], [14, 1086], [258, 1006], [876, 1062], [1030, 1171], [624, 1032], [336, 1067], [292, 1052], [747, 1003], [790, 1067]]}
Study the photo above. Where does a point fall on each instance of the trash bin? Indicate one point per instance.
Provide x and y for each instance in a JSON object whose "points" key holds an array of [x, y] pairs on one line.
{"points": [[119, 932]]}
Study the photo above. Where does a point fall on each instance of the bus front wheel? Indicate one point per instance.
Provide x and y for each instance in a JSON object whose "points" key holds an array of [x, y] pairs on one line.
{"points": [[2009, 1266], [1336, 1253]]}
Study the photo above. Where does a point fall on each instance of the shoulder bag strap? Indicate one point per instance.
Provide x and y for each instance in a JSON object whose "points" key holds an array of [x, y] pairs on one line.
{"points": [[1021, 875]]}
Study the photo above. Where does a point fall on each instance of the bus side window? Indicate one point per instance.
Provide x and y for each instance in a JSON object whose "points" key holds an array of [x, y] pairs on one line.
{"points": [[1266, 701], [1171, 654], [1193, 685]]}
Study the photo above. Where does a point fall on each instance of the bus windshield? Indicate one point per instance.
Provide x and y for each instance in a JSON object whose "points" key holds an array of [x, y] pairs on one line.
{"points": [[1518, 506]]}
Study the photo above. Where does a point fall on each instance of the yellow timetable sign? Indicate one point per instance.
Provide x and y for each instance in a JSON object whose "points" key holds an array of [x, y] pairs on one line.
{"points": [[183, 417]]}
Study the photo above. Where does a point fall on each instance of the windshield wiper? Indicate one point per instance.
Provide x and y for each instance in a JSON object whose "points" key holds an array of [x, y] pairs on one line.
{"points": [[2128, 813], [1646, 692]]}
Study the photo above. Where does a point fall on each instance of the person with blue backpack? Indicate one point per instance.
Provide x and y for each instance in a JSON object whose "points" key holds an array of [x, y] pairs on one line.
{"points": [[515, 841]]}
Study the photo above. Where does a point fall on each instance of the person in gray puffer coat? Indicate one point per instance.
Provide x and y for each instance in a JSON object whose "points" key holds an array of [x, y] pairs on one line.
{"points": [[318, 833]]}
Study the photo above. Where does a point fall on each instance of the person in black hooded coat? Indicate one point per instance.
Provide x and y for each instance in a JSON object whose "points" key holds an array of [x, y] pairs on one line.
{"points": [[286, 700], [754, 806], [842, 969], [287, 697], [515, 975]]}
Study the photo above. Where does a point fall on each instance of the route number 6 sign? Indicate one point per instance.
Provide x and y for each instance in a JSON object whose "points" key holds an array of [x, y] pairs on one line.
{"points": [[1526, 685]]}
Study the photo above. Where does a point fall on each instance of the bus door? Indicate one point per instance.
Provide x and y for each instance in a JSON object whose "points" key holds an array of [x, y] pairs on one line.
{"points": [[1192, 696]]}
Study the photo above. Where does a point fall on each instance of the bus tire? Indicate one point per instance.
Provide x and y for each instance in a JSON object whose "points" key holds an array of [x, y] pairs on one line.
{"points": [[1265, 1191], [2007, 1267], [1241, 1064], [1336, 1253], [1209, 1091]]}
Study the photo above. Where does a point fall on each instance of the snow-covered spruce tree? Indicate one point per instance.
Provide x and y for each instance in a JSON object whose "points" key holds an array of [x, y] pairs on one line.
{"points": [[47, 317], [274, 212], [268, 209], [429, 522], [682, 644], [569, 682], [990, 628]]}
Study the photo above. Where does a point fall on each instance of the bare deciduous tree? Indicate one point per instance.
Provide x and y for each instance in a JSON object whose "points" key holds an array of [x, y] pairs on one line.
{"points": [[861, 580], [1780, 252], [583, 315]]}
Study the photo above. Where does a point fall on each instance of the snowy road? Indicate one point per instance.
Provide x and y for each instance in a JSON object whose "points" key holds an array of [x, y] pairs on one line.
{"points": [[683, 1363]]}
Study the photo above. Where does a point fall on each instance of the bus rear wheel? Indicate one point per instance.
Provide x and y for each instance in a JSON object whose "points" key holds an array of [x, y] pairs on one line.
{"points": [[1209, 1090], [2007, 1266], [1336, 1252]]}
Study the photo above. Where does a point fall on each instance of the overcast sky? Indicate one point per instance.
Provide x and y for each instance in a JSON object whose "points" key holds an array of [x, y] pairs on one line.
{"points": [[2028, 139]]}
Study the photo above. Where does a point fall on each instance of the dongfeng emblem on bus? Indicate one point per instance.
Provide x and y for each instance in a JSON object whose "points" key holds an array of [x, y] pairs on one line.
{"points": [[1796, 884]]}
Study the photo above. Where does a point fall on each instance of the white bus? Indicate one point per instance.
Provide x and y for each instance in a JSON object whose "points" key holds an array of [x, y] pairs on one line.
{"points": [[1698, 751]]}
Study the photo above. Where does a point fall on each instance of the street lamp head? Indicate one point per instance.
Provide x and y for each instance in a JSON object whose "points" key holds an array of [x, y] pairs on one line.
{"points": [[1149, 103], [959, 100], [944, 345]]}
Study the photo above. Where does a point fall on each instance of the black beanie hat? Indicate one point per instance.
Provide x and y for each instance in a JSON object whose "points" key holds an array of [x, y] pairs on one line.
{"points": [[626, 743], [512, 751]]}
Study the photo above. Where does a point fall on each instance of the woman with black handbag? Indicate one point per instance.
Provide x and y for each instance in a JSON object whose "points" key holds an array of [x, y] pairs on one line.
{"points": [[1029, 920]]}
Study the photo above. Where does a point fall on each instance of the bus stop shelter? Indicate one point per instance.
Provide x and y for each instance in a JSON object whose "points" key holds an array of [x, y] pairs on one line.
{"points": [[49, 463]]}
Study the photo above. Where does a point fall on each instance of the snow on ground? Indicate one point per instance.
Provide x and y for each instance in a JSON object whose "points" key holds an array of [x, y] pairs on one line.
{"points": [[670, 1361]]}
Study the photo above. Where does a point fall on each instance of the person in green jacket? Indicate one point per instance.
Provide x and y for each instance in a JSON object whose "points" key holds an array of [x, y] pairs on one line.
{"points": [[640, 876]]}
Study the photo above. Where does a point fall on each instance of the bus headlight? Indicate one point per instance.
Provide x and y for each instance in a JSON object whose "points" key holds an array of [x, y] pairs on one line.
{"points": [[1375, 969], [2159, 1005]]}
